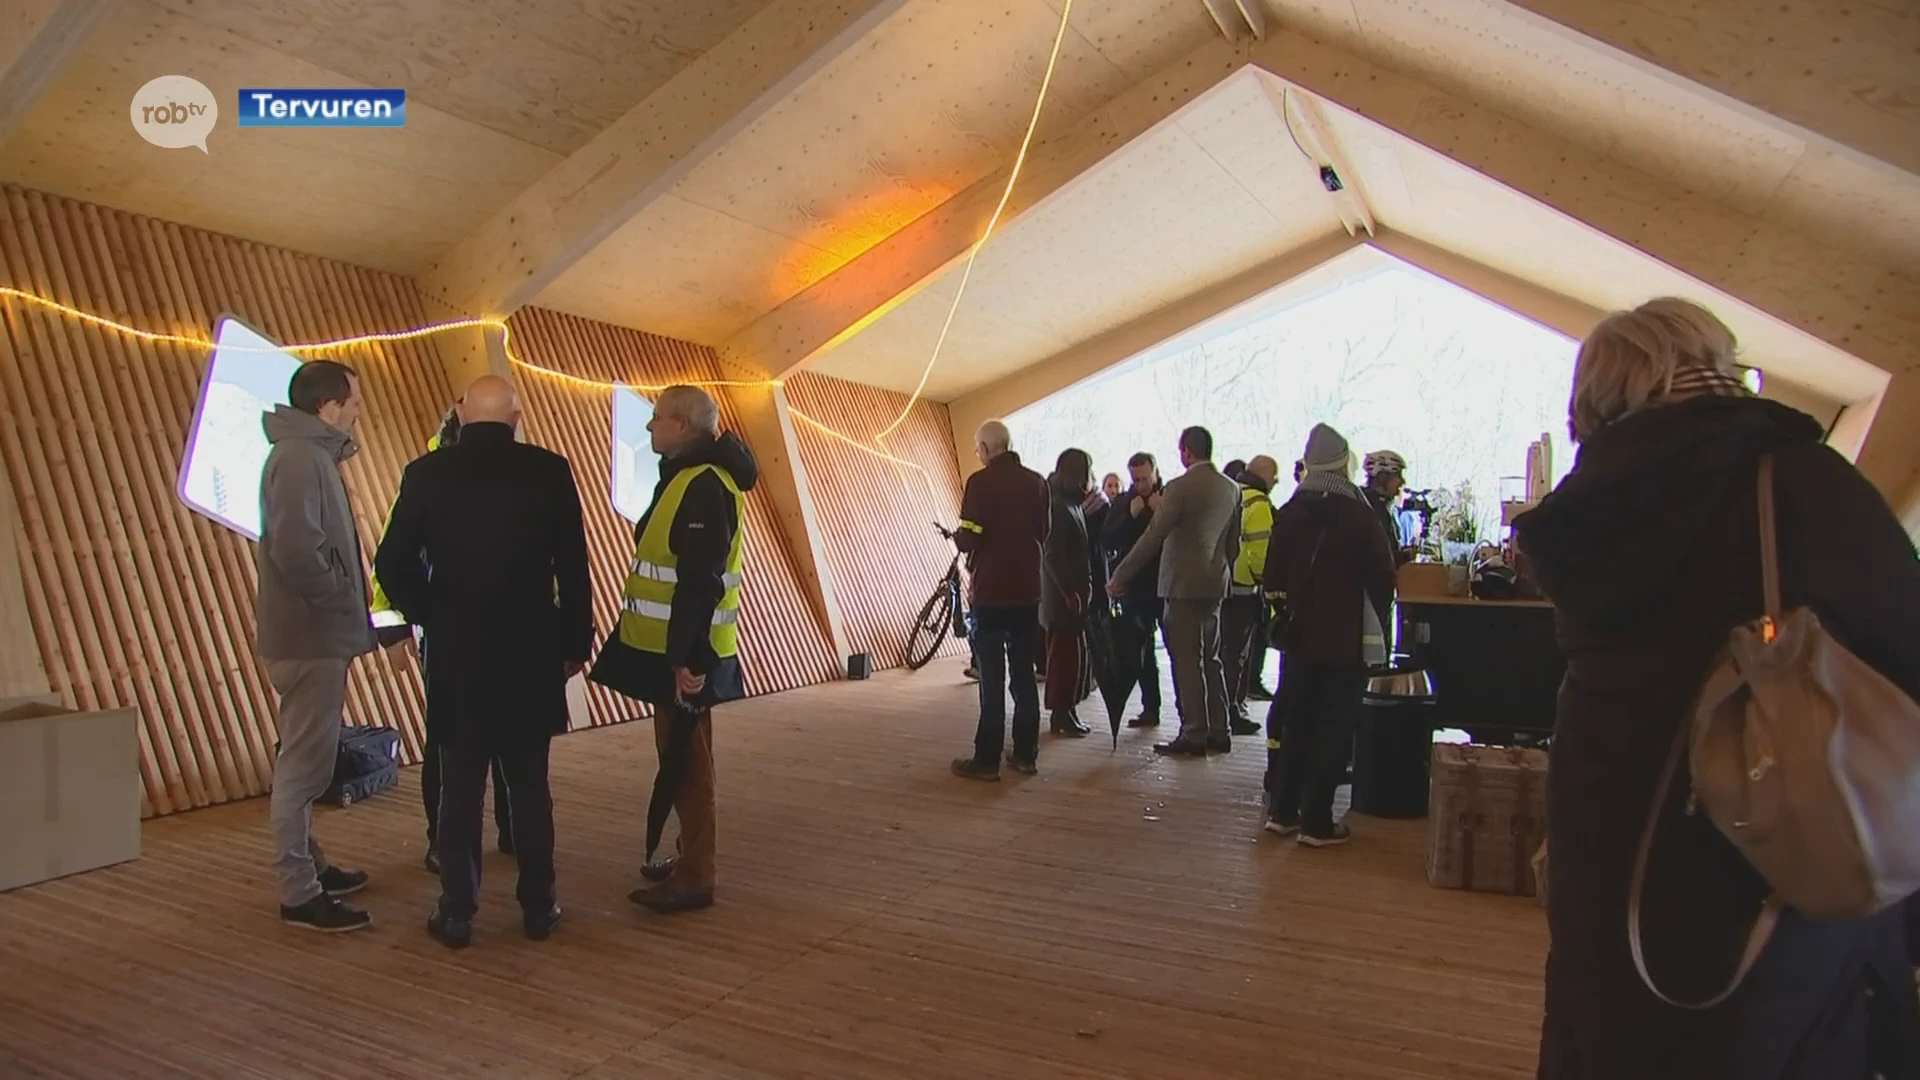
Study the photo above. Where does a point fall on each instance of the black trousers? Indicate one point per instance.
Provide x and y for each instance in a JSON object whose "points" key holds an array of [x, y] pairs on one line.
{"points": [[464, 767], [1007, 644], [430, 793], [1240, 619], [1315, 709]]}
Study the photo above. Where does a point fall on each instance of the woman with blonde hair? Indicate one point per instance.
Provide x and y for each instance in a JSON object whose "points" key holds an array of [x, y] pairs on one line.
{"points": [[1650, 551]]}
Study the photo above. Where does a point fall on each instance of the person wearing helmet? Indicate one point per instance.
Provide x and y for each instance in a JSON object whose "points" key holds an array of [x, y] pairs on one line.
{"points": [[1386, 475]]}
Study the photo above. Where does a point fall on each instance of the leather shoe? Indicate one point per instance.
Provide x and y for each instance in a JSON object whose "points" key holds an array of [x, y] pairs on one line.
{"points": [[1145, 719], [1065, 723], [1243, 726], [449, 931], [667, 900], [968, 769], [1220, 744], [539, 925], [1180, 748], [657, 872]]}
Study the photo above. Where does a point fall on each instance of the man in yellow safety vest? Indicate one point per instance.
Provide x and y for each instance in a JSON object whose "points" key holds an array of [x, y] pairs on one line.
{"points": [[1244, 610], [677, 643]]}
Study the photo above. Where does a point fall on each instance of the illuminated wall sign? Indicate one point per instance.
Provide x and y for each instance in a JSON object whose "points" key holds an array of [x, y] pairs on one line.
{"points": [[633, 467], [226, 445]]}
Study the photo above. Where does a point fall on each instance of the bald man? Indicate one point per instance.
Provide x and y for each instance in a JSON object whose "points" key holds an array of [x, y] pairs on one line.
{"points": [[677, 645], [1243, 613], [508, 610], [1005, 515]]}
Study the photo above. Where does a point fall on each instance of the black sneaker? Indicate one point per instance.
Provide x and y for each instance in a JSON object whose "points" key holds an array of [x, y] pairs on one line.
{"points": [[1145, 719], [1333, 838], [1023, 766], [449, 931], [539, 925], [336, 882], [657, 872], [325, 914], [969, 769], [1243, 726]]}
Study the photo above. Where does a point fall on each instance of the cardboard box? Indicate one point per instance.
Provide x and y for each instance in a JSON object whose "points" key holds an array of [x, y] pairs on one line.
{"points": [[69, 790], [1419, 579]]}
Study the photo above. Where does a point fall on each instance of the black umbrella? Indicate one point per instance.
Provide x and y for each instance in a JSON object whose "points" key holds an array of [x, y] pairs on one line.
{"points": [[683, 720], [1114, 643]]}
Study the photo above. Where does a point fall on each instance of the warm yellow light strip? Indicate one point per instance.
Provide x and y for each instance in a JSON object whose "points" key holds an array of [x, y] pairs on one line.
{"points": [[506, 338], [1019, 161]]}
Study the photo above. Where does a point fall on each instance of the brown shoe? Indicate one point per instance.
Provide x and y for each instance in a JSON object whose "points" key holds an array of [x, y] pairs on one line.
{"points": [[671, 900]]}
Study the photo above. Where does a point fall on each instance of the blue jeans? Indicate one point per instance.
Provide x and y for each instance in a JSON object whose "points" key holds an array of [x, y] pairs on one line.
{"points": [[1005, 644]]}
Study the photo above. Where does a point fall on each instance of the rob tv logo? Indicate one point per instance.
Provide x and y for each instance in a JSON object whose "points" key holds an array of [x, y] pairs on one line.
{"points": [[175, 112]]}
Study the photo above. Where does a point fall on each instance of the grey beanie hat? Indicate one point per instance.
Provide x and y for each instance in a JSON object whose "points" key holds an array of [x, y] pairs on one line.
{"points": [[1327, 451]]}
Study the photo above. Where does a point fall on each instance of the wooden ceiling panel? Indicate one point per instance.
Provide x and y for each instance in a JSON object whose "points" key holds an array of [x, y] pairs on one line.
{"points": [[1174, 213], [1141, 37], [390, 199], [935, 99], [680, 269], [551, 74], [1459, 210]]}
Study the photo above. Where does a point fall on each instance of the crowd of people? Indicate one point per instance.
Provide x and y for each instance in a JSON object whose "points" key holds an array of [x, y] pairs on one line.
{"points": [[1203, 563], [1649, 550], [485, 559]]}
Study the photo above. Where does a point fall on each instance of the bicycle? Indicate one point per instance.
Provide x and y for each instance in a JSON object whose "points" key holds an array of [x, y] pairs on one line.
{"points": [[943, 613]]}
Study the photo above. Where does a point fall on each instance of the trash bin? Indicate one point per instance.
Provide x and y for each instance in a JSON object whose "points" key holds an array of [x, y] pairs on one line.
{"points": [[1392, 742]]}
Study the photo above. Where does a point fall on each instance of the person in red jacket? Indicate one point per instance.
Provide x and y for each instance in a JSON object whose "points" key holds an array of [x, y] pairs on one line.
{"points": [[1005, 515]]}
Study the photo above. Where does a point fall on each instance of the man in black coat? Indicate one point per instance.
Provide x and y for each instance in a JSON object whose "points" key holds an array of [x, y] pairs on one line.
{"points": [[508, 608]]}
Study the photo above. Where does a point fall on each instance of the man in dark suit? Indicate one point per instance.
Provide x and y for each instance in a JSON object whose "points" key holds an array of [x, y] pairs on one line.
{"points": [[508, 608]]}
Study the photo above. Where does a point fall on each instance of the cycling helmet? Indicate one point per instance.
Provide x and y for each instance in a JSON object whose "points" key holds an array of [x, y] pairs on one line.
{"points": [[1382, 462]]}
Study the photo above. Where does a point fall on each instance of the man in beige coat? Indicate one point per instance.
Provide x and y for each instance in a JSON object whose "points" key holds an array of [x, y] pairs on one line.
{"points": [[1196, 534]]}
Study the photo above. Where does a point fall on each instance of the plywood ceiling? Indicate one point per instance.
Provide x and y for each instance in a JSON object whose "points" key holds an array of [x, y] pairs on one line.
{"points": [[1214, 192], [1428, 196], [935, 99], [497, 93]]}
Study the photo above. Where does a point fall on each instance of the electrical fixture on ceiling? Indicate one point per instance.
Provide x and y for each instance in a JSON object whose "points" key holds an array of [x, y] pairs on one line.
{"points": [[1238, 19]]}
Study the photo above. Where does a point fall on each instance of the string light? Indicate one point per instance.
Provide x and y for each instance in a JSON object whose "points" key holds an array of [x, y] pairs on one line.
{"points": [[391, 336], [966, 274]]}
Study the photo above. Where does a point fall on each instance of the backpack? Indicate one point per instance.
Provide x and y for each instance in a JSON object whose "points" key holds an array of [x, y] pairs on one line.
{"points": [[1806, 759], [367, 764]]}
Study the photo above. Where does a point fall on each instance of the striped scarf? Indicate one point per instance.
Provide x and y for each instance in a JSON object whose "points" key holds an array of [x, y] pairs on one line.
{"points": [[1690, 382], [1330, 483]]}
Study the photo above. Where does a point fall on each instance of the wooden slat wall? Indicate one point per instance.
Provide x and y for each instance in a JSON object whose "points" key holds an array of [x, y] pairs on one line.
{"points": [[877, 517], [782, 645], [134, 599]]}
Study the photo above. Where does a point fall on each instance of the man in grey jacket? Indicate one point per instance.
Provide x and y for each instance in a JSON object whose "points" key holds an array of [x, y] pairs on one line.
{"points": [[313, 621], [1196, 533]]}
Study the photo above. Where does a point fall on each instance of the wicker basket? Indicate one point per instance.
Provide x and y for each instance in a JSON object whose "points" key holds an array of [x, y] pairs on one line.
{"points": [[1486, 818]]}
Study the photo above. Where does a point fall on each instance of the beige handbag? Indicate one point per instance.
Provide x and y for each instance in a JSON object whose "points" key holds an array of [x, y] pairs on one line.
{"points": [[1804, 757]]}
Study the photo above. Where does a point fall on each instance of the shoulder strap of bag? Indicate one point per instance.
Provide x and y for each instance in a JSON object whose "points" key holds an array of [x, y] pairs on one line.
{"points": [[1769, 916]]}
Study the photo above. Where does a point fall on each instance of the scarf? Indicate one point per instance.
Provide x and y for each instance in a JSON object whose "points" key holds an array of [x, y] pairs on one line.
{"points": [[1331, 484]]}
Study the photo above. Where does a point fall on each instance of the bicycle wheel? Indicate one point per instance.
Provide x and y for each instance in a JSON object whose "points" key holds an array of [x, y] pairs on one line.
{"points": [[929, 629]]}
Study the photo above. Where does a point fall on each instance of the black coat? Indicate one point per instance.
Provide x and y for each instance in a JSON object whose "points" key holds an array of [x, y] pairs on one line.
{"points": [[487, 553], [1118, 534], [701, 537], [1650, 553], [1328, 555], [1065, 566]]}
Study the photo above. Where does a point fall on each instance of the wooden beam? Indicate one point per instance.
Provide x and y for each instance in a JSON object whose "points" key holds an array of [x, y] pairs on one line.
{"points": [[1844, 74], [1525, 299], [37, 38], [585, 198], [1856, 307], [1097, 354], [857, 294]]}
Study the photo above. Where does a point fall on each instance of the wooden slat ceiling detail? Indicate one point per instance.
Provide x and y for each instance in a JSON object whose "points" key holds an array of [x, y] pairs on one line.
{"points": [[135, 600], [877, 517], [782, 645]]}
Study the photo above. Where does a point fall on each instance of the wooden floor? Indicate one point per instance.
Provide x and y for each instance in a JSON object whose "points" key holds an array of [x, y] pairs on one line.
{"points": [[1115, 916]]}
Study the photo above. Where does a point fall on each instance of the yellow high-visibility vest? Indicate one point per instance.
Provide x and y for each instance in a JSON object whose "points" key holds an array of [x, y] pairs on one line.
{"points": [[1256, 526], [648, 602]]}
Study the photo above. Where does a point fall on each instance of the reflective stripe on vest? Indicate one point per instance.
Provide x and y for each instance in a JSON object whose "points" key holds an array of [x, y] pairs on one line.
{"points": [[648, 602]]}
